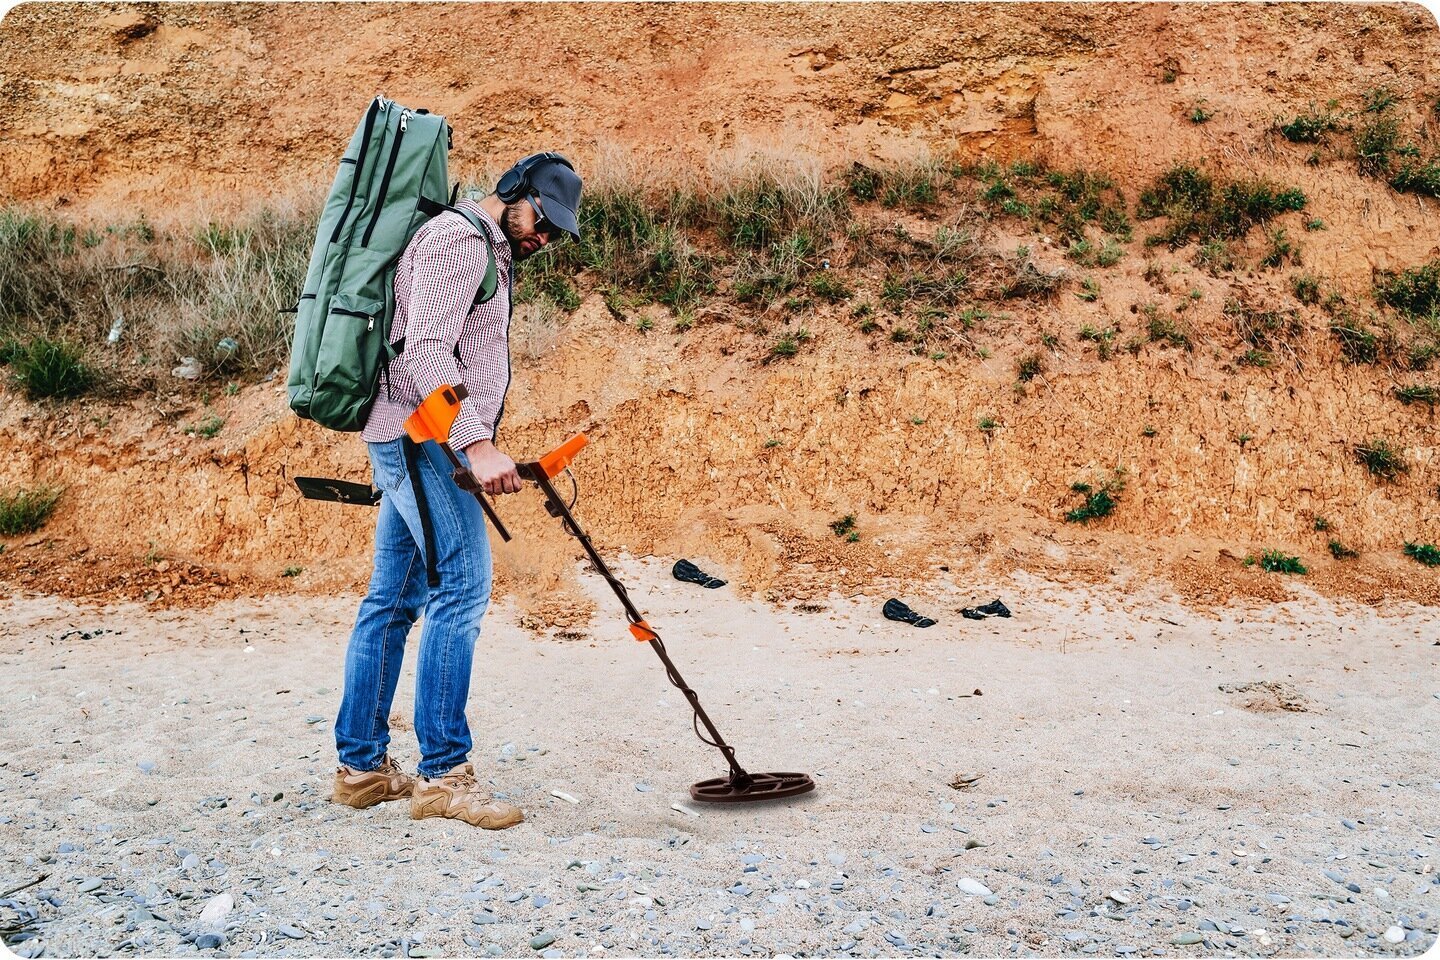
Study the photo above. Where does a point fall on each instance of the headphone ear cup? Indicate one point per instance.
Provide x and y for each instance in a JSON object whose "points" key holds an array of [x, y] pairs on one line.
{"points": [[509, 183]]}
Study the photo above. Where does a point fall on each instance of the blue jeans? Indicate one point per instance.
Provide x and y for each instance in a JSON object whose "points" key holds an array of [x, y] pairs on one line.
{"points": [[398, 593]]}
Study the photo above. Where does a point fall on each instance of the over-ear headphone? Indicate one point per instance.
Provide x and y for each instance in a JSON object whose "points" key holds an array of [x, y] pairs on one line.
{"points": [[515, 182]]}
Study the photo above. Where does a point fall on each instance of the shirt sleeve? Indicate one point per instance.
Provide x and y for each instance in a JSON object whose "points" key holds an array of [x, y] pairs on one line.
{"points": [[449, 265]]}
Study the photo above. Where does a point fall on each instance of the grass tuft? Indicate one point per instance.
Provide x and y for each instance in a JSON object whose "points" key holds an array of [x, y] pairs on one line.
{"points": [[25, 511]]}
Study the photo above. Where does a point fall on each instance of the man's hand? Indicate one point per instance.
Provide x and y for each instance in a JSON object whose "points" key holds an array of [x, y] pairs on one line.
{"points": [[495, 471]]}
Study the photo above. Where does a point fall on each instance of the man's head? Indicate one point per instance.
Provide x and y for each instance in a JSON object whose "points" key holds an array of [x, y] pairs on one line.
{"points": [[541, 194]]}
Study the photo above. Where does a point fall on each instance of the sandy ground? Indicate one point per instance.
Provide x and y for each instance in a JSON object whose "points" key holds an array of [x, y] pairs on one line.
{"points": [[1128, 803]]}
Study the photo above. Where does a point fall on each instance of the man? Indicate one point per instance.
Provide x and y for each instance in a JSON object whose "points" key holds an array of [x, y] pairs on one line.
{"points": [[447, 338]]}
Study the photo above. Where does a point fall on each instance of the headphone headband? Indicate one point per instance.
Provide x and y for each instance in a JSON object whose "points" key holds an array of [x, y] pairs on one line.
{"points": [[515, 183]]}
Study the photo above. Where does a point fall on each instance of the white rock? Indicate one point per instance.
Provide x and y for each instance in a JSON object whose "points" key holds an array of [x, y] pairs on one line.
{"points": [[802, 884], [1118, 897], [189, 369], [215, 909], [563, 796], [974, 887], [1394, 935], [683, 809]]}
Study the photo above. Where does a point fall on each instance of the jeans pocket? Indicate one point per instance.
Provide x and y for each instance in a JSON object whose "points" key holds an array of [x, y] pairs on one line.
{"points": [[387, 464]]}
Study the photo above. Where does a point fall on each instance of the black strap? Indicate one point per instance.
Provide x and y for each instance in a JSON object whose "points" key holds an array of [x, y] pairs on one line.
{"points": [[412, 466], [359, 161]]}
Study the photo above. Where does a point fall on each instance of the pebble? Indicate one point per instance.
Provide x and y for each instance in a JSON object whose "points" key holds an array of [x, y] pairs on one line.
{"points": [[541, 940], [93, 883], [209, 941], [1119, 897], [1187, 938], [973, 887], [991, 900], [927, 828], [484, 917], [147, 766], [644, 787], [1394, 934], [747, 924], [1334, 875], [703, 924], [294, 933], [191, 861]]}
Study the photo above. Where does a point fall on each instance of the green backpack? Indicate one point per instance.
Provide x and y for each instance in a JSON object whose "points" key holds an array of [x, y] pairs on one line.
{"points": [[392, 179]]}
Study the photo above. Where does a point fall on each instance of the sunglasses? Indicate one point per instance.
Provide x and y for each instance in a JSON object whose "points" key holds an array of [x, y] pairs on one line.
{"points": [[544, 224]]}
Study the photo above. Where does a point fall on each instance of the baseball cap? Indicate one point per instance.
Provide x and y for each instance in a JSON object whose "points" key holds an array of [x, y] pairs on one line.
{"points": [[559, 190]]}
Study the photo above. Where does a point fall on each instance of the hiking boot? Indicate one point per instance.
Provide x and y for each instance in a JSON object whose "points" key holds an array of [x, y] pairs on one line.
{"points": [[458, 795], [361, 789]]}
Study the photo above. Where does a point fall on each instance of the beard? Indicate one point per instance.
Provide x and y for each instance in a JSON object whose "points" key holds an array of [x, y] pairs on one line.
{"points": [[510, 226]]}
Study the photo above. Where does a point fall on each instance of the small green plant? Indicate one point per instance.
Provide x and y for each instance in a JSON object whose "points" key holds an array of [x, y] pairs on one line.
{"points": [[1321, 524], [1382, 458], [1281, 249], [1029, 367], [1100, 501], [292, 571], [644, 324], [853, 536], [232, 389], [51, 369], [1306, 288], [1309, 127], [1357, 344], [1378, 100], [917, 421], [1339, 551], [206, 428], [1148, 431], [1198, 113], [1275, 561], [829, 287], [1419, 393], [845, 525], [1089, 290], [987, 425], [901, 335], [863, 182], [1314, 224], [1243, 439], [26, 510], [1426, 553], [1163, 328], [1254, 357], [1415, 292], [786, 345]]}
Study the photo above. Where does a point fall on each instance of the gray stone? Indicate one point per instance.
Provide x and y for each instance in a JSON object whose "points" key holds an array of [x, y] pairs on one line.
{"points": [[191, 861], [92, 883], [703, 924], [147, 766], [209, 941], [294, 933], [542, 940], [1187, 938]]}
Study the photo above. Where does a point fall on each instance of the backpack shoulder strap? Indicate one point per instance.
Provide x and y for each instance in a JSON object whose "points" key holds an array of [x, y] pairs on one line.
{"points": [[490, 283]]}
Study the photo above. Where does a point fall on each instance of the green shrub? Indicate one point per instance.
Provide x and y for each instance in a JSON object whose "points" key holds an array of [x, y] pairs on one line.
{"points": [[1339, 551], [51, 369], [1306, 288], [1196, 209], [1163, 328], [25, 511], [1029, 367], [1376, 142], [844, 525], [912, 185], [1417, 177], [1254, 358], [1308, 127], [829, 287], [1358, 344], [863, 182], [1099, 502], [1274, 561], [1419, 393], [1426, 553], [1415, 291], [1381, 458]]}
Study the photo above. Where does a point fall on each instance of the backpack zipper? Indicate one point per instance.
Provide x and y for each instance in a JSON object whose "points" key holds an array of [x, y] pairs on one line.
{"points": [[385, 181], [376, 106]]}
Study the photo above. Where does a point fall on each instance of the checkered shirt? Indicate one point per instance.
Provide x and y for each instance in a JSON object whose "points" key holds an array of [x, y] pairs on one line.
{"points": [[446, 342]]}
